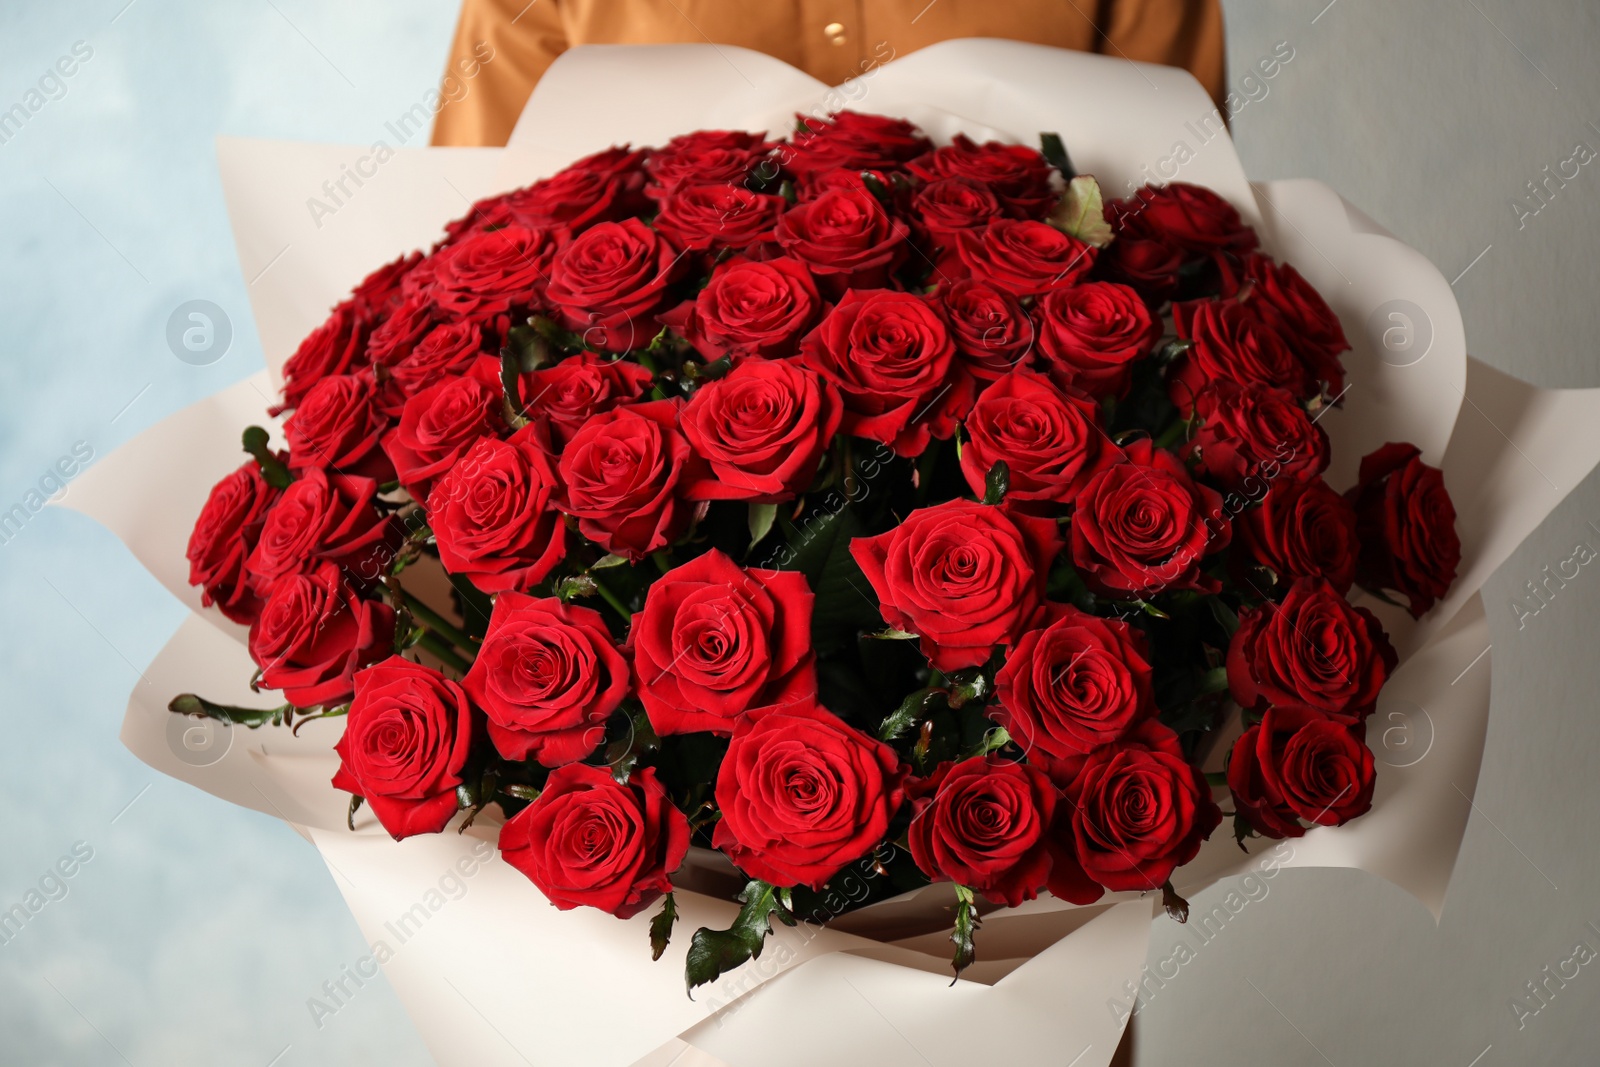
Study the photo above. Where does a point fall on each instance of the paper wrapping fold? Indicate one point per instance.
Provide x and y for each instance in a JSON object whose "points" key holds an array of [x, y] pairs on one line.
{"points": [[495, 975]]}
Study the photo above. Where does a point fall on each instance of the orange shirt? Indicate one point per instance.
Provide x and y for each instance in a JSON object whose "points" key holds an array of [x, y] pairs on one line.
{"points": [[828, 39]]}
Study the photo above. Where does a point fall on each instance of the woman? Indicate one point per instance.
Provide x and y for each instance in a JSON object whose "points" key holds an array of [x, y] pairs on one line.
{"points": [[829, 39]]}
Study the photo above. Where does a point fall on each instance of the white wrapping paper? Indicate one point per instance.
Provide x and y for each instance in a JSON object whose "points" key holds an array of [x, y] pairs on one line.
{"points": [[488, 971]]}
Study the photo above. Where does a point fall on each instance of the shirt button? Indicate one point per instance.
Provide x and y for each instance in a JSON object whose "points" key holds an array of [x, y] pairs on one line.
{"points": [[835, 32]]}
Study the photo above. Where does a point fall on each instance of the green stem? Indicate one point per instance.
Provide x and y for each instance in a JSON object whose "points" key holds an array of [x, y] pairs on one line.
{"points": [[439, 624], [611, 598], [443, 652], [663, 564]]}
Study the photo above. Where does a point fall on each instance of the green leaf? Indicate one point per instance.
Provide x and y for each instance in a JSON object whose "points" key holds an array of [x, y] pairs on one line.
{"points": [[661, 926], [762, 516], [1242, 829], [844, 603], [579, 585], [997, 483], [891, 634], [350, 813], [1177, 907], [713, 953], [1213, 681], [876, 187], [997, 738], [967, 923], [607, 562], [511, 389], [639, 737], [1082, 213], [273, 470], [200, 707], [1055, 153], [912, 710]]}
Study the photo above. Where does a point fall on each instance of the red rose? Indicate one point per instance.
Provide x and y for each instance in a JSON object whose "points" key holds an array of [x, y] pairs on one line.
{"points": [[1182, 216], [762, 430], [493, 514], [380, 292], [405, 744], [314, 633], [844, 236], [703, 218], [1297, 764], [852, 141], [803, 794], [593, 841], [332, 348], [1303, 530], [606, 186], [444, 351], [489, 272], [947, 206], [1079, 683], [991, 332], [892, 183], [1149, 267], [714, 641], [963, 576], [1022, 257], [547, 676], [984, 823], [1314, 649], [619, 476], [1144, 526], [324, 516], [1137, 811], [1093, 333], [398, 333], [1252, 436], [224, 535], [565, 395], [708, 157], [1050, 438], [749, 309], [436, 426], [1285, 299], [337, 427], [1230, 342], [1407, 526], [608, 283], [1017, 174], [891, 356]]}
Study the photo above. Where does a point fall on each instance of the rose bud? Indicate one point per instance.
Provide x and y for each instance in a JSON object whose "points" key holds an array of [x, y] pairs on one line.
{"points": [[490, 272], [619, 476], [337, 427], [436, 426], [762, 430], [963, 576], [1092, 334], [1144, 526], [708, 218], [1231, 343], [803, 794], [749, 309], [984, 823], [891, 357], [715, 640], [1303, 530], [592, 841], [547, 676], [314, 633], [493, 514], [1298, 764], [853, 141], [1049, 438], [992, 333], [1023, 257], [335, 347], [1285, 299], [405, 742], [224, 535], [1314, 649], [608, 283], [324, 517], [565, 395], [1079, 683], [1136, 811], [1017, 174], [845, 237], [1250, 438], [1406, 523]]}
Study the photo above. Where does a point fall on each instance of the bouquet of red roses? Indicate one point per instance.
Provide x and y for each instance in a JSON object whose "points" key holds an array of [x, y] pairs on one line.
{"points": [[844, 504]]}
